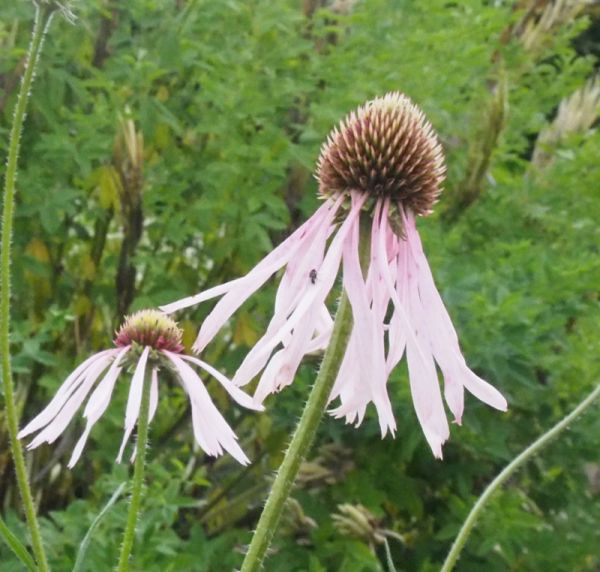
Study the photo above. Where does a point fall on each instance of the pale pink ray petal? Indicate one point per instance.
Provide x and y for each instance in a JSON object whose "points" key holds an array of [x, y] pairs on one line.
{"points": [[63, 394], [153, 395], [153, 406], [370, 335], [444, 339], [234, 391], [482, 389], [397, 326], [425, 388], [259, 355], [348, 388], [297, 276], [348, 369], [254, 280], [266, 384], [97, 404], [424, 384], [260, 273], [134, 400], [288, 359], [323, 330], [55, 428], [211, 430]]}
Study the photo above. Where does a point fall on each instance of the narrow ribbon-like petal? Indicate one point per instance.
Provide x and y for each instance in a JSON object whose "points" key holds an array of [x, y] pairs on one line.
{"points": [[211, 430], [67, 412], [255, 279], [424, 384], [236, 393], [277, 258], [260, 353], [443, 337], [153, 395], [368, 329], [97, 404], [62, 395], [282, 366], [134, 400]]}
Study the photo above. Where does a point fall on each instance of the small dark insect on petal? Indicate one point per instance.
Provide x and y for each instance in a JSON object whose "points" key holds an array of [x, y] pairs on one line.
{"points": [[313, 276]]}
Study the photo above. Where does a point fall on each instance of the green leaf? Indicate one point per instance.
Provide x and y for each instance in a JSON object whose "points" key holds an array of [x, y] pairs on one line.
{"points": [[17, 547], [88, 537]]}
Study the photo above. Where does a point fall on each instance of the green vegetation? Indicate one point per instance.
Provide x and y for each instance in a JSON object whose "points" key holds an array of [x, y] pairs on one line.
{"points": [[169, 145]]}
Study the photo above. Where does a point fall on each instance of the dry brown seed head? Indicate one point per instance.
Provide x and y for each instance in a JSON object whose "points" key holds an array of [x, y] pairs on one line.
{"points": [[386, 148]]}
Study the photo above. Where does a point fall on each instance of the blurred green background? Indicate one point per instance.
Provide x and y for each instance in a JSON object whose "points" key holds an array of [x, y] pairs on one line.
{"points": [[170, 144]]}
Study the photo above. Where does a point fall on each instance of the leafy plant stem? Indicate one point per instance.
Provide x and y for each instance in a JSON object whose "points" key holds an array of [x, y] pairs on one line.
{"points": [[43, 17], [138, 476], [306, 429], [515, 464]]}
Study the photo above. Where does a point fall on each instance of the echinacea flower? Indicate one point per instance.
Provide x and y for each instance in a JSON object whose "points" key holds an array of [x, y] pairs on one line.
{"points": [[383, 164], [147, 340]]}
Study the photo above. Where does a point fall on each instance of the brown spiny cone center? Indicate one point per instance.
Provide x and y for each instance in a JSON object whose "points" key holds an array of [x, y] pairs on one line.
{"points": [[150, 328], [384, 148]]}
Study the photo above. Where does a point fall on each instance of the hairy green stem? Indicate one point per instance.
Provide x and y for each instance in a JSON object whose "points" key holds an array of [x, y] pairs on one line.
{"points": [[516, 463], [302, 439], [138, 475], [43, 17], [307, 426]]}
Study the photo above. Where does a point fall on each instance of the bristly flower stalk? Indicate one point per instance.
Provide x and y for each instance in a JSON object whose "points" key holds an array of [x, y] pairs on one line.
{"points": [[44, 13]]}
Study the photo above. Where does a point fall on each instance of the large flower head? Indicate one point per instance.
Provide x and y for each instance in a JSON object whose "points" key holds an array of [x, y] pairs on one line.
{"points": [[147, 341], [383, 165]]}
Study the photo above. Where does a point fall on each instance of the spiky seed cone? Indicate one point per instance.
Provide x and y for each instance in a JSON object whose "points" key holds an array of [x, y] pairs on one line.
{"points": [[150, 328], [385, 148]]}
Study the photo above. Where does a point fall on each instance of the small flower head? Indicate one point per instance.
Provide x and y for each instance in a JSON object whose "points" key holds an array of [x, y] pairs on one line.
{"points": [[147, 343], [150, 328], [386, 148]]}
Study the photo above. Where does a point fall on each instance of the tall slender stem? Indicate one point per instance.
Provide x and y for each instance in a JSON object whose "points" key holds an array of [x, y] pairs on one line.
{"points": [[138, 475], [517, 462], [43, 17], [306, 428]]}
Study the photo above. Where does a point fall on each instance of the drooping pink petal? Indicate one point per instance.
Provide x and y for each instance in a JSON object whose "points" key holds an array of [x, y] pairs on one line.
{"points": [[260, 353], [134, 400], [301, 276], [368, 328], [211, 430], [443, 337], [256, 278], [302, 272], [97, 404], [236, 393], [62, 395], [277, 258], [283, 366], [153, 395], [348, 386], [424, 383], [55, 428], [397, 326]]}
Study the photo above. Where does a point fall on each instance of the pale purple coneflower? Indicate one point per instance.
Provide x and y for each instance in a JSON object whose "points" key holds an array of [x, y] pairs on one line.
{"points": [[147, 340], [383, 164]]}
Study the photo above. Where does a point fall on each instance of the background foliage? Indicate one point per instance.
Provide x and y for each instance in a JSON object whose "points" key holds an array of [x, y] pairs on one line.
{"points": [[169, 144]]}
